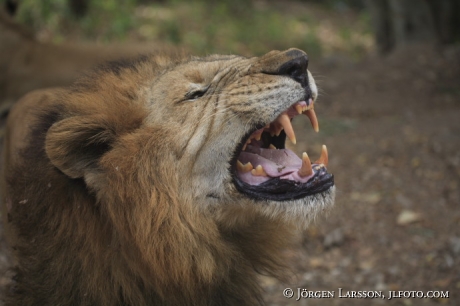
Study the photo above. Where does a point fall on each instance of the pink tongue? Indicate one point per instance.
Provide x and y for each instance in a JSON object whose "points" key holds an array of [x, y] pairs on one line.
{"points": [[276, 163]]}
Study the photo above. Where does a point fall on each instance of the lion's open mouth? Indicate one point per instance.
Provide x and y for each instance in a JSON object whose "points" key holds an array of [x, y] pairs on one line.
{"points": [[264, 169]]}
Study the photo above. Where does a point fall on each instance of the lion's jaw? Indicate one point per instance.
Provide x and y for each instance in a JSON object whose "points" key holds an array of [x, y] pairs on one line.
{"points": [[222, 101]]}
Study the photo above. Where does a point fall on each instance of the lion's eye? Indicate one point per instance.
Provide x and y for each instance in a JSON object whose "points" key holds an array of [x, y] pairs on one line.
{"points": [[197, 93]]}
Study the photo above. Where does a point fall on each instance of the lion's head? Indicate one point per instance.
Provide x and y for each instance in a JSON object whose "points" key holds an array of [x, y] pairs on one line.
{"points": [[224, 121]]}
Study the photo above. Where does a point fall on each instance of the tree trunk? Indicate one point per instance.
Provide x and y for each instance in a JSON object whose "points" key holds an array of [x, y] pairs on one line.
{"points": [[400, 22]]}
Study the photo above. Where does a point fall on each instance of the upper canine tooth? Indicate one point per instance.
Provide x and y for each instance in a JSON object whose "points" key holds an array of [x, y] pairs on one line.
{"points": [[312, 116], [306, 169], [243, 168], [323, 159], [259, 171], [286, 123]]}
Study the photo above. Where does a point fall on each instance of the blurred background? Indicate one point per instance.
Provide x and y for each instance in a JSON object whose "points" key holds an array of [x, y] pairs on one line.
{"points": [[389, 112], [239, 26]]}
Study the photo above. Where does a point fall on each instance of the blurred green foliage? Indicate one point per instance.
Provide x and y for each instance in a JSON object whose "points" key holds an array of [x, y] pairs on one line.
{"points": [[226, 27], [106, 19], [203, 26]]}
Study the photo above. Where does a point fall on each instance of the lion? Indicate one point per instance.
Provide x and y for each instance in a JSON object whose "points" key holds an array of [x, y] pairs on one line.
{"points": [[163, 180]]}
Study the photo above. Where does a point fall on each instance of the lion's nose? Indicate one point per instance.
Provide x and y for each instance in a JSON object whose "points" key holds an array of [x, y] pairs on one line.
{"points": [[296, 66]]}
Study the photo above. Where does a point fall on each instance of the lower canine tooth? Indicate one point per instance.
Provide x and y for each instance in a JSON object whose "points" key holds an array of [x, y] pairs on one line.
{"points": [[306, 169], [259, 171], [323, 159], [243, 168], [271, 146]]}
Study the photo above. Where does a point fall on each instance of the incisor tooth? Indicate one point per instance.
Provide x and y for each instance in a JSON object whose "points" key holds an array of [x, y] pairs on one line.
{"points": [[306, 169], [299, 108], [243, 168], [323, 159], [286, 123], [314, 121], [259, 171]]}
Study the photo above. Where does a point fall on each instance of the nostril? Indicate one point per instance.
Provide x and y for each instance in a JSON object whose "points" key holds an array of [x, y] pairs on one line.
{"points": [[295, 68]]}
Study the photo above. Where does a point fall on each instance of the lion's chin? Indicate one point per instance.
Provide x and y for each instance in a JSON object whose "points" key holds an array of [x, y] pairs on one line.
{"points": [[296, 212], [263, 169], [300, 212]]}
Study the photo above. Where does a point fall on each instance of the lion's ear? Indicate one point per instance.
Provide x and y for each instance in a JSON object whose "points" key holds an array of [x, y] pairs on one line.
{"points": [[74, 145]]}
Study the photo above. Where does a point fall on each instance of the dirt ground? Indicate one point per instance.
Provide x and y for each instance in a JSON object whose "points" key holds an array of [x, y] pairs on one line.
{"points": [[392, 128]]}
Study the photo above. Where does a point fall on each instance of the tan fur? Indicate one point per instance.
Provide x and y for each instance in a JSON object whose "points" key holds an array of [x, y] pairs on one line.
{"points": [[118, 191]]}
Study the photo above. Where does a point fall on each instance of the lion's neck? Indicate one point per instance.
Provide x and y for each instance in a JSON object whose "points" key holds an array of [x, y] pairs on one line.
{"points": [[192, 256]]}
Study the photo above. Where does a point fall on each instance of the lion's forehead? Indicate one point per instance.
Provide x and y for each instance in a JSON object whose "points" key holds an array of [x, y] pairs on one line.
{"points": [[212, 65]]}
